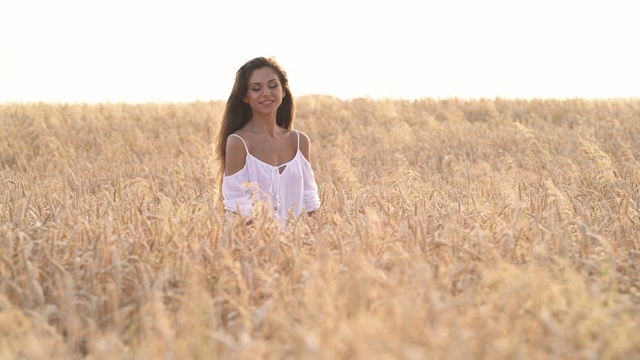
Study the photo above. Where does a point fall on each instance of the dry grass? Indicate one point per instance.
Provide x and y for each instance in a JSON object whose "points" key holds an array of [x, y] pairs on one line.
{"points": [[449, 229]]}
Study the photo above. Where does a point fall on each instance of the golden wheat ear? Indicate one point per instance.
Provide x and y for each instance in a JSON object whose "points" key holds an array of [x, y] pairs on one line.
{"points": [[448, 229]]}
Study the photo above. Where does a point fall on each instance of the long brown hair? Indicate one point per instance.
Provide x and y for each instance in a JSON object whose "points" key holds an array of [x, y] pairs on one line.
{"points": [[237, 113]]}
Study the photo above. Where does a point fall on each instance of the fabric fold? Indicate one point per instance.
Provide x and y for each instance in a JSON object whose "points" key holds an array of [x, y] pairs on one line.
{"points": [[292, 190]]}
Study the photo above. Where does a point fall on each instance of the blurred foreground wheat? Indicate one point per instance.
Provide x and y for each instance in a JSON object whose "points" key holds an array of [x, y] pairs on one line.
{"points": [[449, 229]]}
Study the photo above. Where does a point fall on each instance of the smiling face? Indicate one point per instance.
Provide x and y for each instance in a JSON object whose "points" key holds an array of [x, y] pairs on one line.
{"points": [[265, 91]]}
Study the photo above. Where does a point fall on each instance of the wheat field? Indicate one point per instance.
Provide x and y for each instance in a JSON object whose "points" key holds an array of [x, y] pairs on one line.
{"points": [[450, 229]]}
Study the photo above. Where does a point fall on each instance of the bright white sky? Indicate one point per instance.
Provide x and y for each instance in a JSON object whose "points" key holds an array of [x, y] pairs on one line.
{"points": [[116, 50]]}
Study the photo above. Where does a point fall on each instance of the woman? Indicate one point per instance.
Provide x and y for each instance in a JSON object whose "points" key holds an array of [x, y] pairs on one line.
{"points": [[264, 161]]}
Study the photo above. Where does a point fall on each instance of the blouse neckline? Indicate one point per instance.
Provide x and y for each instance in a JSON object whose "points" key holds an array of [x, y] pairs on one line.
{"points": [[275, 167]]}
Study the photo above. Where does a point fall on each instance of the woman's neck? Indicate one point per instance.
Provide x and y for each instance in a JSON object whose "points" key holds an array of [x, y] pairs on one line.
{"points": [[263, 124]]}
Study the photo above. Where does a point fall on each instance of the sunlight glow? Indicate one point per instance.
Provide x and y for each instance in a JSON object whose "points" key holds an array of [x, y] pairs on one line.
{"points": [[93, 51]]}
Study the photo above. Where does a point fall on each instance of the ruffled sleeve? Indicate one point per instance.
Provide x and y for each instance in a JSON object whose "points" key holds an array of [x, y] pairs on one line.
{"points": [[236, 193], [311, 198]]}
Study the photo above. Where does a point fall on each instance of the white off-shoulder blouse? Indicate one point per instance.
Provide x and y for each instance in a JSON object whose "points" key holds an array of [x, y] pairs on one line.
{"points": [[290, 186]]}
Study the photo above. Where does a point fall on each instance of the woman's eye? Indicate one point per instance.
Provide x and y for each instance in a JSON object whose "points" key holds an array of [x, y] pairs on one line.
{"points": [[256, 89], [273, 86]]}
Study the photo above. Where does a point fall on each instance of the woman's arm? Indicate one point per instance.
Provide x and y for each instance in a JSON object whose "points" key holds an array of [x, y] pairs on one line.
{"points": [[305, 146], [311, 188], [235, 156]]}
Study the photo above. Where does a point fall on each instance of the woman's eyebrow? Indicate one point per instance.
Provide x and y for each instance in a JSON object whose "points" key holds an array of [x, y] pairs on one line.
{"points": [[258, 83]]}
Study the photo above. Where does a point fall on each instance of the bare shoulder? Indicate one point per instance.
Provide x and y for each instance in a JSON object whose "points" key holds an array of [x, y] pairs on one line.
{"points": [[305, 145], [303, 137], [236, 155], [235, 143]]}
